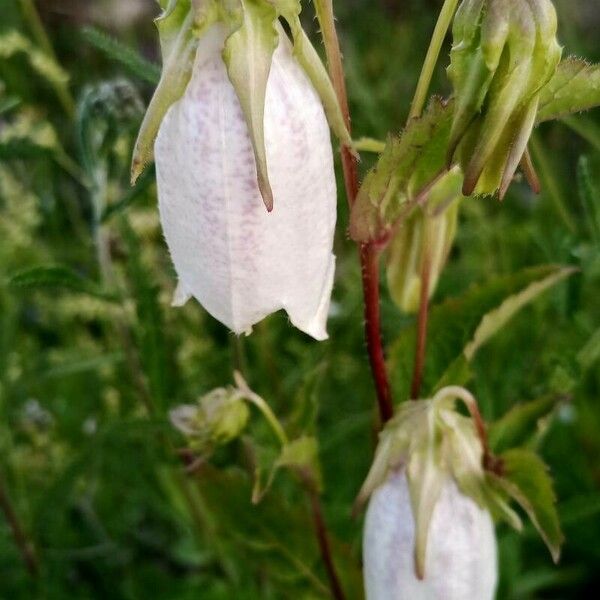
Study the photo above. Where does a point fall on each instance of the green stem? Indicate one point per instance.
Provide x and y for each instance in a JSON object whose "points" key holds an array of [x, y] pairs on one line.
{"points": [[435, 46], [263, 406], [367, 144], [550, 182]]}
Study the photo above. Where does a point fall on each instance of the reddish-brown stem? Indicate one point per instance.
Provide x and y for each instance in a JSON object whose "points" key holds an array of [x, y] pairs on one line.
{"points": [[25, 547], [324, 546], [423, 319], [369, 255], [369, 258]]}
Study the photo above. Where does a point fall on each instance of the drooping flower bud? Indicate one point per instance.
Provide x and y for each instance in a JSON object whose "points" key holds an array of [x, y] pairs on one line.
{"points": [[423, 242], [248, 126], [504, 52], [215, 419], [428, 532], [460, 561]]}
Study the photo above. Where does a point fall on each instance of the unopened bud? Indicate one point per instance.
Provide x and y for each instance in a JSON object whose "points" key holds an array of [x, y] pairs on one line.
{"points": [[423, 242], [503, 53], [216, 419]]}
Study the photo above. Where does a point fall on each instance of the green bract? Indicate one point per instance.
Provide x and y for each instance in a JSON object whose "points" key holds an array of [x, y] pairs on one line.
{"points": [[253, 33], [504, 52], [425, 237]]}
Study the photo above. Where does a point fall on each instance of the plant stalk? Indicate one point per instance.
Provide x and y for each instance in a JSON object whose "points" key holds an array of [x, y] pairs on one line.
{"points": [[422, 323], [418, 104], [433, 53], [369, 256], [24, 545], [324, 545]]}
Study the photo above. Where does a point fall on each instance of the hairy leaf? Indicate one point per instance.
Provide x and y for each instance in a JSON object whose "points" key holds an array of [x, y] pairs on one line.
{"points": [[132, 61], [520, 423], [527, 480], [58, 277], [409, 163], [574, 87]]}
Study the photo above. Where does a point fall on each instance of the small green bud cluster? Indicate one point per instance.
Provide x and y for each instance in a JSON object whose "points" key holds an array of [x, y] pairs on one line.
{"points": [[504, 52], [216, 419]]}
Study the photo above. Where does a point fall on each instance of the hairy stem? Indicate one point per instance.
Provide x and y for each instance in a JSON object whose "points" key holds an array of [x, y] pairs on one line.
{"points": [[24, 545], [431, 59], [369, 255], [433, 53]]}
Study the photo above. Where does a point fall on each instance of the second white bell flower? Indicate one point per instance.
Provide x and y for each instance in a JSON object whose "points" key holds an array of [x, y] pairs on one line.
{"points": [[239, 261]]}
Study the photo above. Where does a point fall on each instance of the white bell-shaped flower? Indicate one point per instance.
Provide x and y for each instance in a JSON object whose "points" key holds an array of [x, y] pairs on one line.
{"points": [[239, 261], [460, 561]]}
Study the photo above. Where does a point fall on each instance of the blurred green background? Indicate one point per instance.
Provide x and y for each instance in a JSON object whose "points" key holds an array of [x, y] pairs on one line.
{"points": [[92, 356]]}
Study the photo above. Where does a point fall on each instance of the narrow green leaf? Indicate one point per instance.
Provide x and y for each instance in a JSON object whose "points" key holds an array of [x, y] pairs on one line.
{"points": [[153, 343], [248, 55], [527, 480], [58, 277], [495, 320], [136, 64], [520, 423], [455, 325], [574, 87], [13, 43]]}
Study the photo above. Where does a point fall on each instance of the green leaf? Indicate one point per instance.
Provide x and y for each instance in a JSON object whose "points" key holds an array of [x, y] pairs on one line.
{"points": [[495, 320], [248, 55], [136, 64], [520, 423], [463, 322], [153, 344], [574, 87], [409, 163], [526, 479], [59, 277], [13, 43]]}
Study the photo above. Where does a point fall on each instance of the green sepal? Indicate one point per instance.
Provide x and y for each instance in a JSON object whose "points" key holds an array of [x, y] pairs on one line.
{"points": [[248, 55], [179, 26]]}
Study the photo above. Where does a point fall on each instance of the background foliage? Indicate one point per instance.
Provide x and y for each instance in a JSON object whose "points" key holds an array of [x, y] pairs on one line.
{"points": [[92, 356]]}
